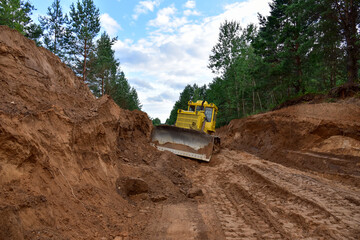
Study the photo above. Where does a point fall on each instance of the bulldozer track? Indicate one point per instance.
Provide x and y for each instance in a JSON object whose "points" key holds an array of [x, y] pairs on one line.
{"points": [[292, 210], [334, 202], [231, 220]]}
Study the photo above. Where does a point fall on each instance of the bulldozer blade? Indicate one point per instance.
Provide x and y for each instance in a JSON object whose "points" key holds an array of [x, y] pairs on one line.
{"points": [[184, 142]]}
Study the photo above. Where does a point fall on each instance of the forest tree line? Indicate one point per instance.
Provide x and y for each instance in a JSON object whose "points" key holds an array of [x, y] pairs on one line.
{"points": [[303, 46], [74, 38]]}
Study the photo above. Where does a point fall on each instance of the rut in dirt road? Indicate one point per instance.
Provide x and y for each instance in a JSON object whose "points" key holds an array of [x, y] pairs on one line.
{"points": [[258, 199]]}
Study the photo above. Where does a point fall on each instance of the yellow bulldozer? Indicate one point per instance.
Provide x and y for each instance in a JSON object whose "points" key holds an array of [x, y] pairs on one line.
{"points": [[193, 133]]}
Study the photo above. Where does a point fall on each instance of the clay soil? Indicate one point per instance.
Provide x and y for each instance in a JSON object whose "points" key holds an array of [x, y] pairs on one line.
{"points": [[76, 167]]}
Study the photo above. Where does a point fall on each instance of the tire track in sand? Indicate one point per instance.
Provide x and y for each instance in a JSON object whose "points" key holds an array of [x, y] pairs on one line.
{"points": [[312, 207], [258, 199], [232, 222], [333, 198], [240, 216]]}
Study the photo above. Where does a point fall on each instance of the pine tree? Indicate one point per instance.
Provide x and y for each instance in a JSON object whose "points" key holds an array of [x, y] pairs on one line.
{"points": [[328, 55], [16, 14], [123, 94], [286, 41], [235, 59], [84, 26], [54, 24], [348, 19], [34, 32], [103, 65], [105, 76], [226, 50], [134, 102], [236, 90]]}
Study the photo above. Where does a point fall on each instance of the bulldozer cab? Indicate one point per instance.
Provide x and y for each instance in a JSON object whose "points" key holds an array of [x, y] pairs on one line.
{"points": [[200, 116]]}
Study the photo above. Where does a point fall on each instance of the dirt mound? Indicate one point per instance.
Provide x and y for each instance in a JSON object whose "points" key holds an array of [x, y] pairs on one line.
{"points": [[321, 137], [63, 153]]}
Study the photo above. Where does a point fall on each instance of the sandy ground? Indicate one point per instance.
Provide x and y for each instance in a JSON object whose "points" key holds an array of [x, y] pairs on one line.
{"points": [[76, 167], [246, 197]]}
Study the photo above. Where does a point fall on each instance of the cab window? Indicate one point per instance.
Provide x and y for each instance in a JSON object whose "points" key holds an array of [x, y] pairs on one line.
{"points": [[199, 108], [208, 114]]}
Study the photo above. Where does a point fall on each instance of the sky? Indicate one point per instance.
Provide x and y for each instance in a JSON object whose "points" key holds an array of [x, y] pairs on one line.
{"points": [[163, 45]]}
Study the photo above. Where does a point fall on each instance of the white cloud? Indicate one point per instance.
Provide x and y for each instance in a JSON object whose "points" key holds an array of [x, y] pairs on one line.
{"points": [[144, 7], [166, 19], [176, 53], [189, 12], [163, 17], [190, 4], [109, 24], [246, 12]]}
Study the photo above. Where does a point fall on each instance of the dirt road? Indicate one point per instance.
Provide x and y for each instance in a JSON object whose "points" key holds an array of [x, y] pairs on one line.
{"points": [[246, 197]]}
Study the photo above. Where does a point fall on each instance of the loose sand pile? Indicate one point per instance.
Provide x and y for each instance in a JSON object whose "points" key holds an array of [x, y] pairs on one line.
{"points": [[302, 136]]}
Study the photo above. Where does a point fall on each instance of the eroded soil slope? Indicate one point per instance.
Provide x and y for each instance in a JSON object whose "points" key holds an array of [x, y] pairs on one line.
{"points": [[72, 166], [321, 137]]}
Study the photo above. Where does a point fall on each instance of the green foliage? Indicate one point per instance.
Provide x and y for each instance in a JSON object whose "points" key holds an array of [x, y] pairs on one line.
{"points": [[237, 87], [55, 29], [105, 77], [123, 94], [357, 95], [285, 42], [84, 25], [156, 121], [16, 14], [103, 65], [346, 14], [34, 32], [226, 50]]}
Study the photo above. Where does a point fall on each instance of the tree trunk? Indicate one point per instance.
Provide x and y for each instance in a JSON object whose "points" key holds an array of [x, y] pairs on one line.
{"points": [[55, 40], [243, 103], [348, 11], [259, 101], [237, 102], [273, 97], [85, 56], [352, 59], [237, 97], [102, 87], [298, 85], [257, 93], [253, 96], [332, 77]]}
